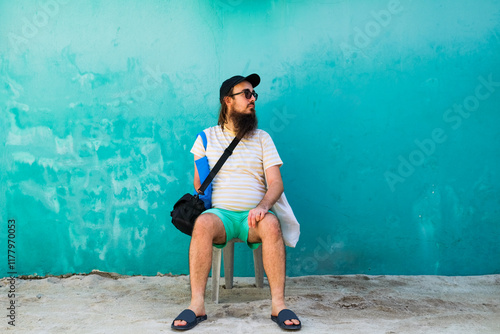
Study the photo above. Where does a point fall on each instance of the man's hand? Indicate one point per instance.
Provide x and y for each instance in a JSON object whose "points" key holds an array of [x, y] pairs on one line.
{"points": [[256, 215], [273, 193]]}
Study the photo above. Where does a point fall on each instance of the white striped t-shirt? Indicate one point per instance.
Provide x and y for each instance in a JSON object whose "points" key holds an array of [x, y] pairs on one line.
{"points": [[240, 184]]}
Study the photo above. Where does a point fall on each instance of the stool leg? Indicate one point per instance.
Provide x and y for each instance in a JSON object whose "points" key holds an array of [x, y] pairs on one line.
{"points": [[228, 252], [216, 261], [258, 267]]}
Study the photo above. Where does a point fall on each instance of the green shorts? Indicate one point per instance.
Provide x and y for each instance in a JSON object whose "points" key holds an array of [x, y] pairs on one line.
{"points": [[235, 224]]}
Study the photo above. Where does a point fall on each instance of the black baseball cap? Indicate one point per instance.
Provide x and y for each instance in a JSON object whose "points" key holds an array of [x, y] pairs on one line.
{"points": [[226, 86]]}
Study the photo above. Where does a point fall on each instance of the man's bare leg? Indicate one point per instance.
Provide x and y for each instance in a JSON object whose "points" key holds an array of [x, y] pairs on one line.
{"points": [[207, 231], [273, 255]]}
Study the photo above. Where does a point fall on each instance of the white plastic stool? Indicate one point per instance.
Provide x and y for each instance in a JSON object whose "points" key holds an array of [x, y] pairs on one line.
{"points": [[229, 266]]}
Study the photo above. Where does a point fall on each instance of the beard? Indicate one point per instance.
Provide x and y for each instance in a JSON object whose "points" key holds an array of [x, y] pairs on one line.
{"points": [[244, 124]]}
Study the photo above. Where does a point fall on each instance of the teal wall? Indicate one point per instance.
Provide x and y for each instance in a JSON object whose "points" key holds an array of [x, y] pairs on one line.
{"points": [[386, 114]]}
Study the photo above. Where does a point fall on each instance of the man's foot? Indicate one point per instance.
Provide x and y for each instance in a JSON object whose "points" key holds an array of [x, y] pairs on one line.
{"points": [[287, 319], [187, 320]]}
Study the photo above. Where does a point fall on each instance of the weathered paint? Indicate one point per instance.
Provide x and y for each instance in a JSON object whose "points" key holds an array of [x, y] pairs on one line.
{"points": [[386, 114]]}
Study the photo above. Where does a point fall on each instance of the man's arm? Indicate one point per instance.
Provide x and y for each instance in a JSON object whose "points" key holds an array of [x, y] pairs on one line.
{"points": [[196, 181], [273, 193]]}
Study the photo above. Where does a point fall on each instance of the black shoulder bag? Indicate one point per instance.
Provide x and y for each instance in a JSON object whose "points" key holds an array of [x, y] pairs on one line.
{"points": [[189, 207]]}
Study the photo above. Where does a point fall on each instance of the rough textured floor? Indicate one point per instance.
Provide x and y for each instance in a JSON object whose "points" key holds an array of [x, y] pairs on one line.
{"points": [[106, 303]]}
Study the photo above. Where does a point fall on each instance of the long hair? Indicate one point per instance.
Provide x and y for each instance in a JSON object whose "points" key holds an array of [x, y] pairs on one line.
{"points": [[223, 110]]}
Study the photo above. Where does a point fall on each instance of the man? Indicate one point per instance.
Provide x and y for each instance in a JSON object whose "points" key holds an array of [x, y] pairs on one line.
{"points": [[244, 190]]}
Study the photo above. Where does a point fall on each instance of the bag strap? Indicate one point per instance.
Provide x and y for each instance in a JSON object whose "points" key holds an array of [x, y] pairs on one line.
{"points": [[227, 152]]}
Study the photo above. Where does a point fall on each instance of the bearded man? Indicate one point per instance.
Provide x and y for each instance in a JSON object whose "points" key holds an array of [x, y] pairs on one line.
{"points": [[243, 192]]}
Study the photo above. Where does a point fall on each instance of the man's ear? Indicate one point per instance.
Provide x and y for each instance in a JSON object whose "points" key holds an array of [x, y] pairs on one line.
{"points": [[228, 100]]}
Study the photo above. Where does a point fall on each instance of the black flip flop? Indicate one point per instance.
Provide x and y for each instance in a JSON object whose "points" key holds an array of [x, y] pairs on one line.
{"points": [[285, 315], [190, 318]]}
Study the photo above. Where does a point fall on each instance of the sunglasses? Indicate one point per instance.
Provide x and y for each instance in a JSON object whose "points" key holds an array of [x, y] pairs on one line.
{"points": [[248, 94]]}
